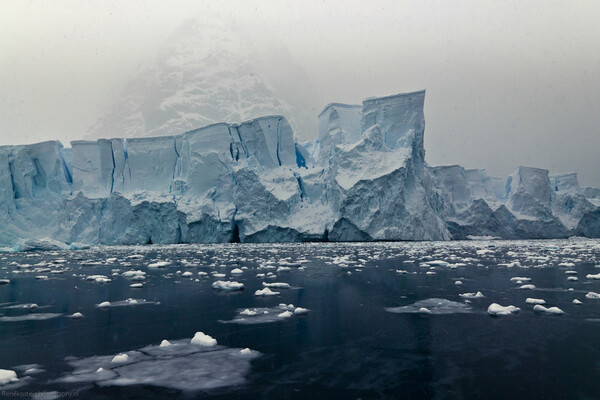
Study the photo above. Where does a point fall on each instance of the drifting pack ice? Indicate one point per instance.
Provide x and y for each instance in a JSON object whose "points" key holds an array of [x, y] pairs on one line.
{"points": [[363, 178]]}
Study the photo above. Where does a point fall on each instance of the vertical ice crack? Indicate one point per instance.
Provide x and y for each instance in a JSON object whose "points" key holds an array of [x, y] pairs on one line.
{"points": [[300, 185], [177, 160], [112, 174], [241, 141], [278, 139]]}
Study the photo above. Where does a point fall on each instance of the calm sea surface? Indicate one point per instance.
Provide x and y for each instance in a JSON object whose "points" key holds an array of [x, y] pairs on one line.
{"points": [[345, 326]]}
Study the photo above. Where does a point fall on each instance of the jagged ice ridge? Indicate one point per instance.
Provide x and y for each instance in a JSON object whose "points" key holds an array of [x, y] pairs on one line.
{"points": [[363, 178]]}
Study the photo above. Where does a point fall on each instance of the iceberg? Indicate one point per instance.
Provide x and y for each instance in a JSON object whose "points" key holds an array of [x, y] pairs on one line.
{"points": [[364, 177]]}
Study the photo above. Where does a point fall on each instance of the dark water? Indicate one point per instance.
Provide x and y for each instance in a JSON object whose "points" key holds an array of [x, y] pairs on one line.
{"points": [[346, 346]]}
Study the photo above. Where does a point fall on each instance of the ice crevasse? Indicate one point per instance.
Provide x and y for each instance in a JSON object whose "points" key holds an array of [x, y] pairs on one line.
{"points": [[364, 177]]}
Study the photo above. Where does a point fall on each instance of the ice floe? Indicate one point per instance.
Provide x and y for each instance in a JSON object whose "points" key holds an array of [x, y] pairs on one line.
{"points": [[183, 365], [497, 309], [263, 315], [550, 310], [265, 292], [7, 376], [227, 285], [531, 300], [477, 295], [433, 306], [202, 339]]}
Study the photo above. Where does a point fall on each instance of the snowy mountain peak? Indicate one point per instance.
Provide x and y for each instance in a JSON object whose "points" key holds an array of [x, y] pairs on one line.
{"points": [[207, 72]]}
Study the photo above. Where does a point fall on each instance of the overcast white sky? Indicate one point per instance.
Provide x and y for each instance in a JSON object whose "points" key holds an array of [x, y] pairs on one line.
{"points": [[508, 82]]}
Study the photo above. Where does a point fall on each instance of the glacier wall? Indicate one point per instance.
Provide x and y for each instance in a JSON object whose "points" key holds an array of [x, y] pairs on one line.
{"points": [[364, 177]]}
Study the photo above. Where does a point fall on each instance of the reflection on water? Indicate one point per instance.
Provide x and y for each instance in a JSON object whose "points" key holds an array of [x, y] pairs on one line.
{"points": [[364, 320]]}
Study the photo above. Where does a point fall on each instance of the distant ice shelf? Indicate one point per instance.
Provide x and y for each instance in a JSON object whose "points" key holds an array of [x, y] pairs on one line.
{"points": [[363, 178]]}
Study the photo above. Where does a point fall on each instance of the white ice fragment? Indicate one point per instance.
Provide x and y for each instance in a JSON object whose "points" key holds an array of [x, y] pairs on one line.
{"points": [[527, 287], [246, 352], [575, 301], [119, 359], [159, 264], [104, 304], [186, 274], [227, 285], [300, 311], [497, 309], [401, 271], [284, 269], [458, 283], [77, 315], [7, 376], [570, 272], [552, 310], [285, 314], [572, 278], [424, 310], [593, 295], [165, 343], [248, 312], [278, 285], [4, 281], [203, 339], [136, 285], [265, 292], [593, 276], [236, 271], [520, 278], [531, 300], [477, 295]]}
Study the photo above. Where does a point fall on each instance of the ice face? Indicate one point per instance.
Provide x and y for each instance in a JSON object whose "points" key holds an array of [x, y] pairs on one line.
{"points": [[252, 182], [338, 124]]}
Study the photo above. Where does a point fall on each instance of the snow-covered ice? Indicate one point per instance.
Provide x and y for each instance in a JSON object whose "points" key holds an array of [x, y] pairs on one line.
{"points": [[497, 309]]}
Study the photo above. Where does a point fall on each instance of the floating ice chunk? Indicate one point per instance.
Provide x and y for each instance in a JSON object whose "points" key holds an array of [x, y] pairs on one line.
{"points": [[159, 264], [570, 272], [119, 359], [77, 315], [552, 310], [566, 264], [593, 276], [265, 292], [477, 295], [520, 278], [285, 314], [104, 304], [31, 306], [218, 275], [202, 273], [575, 301], [592, 295], [246, 352], [300, 311], [497, 309], [202, 339], [572, 278], [401, 271], [165, 343], [424, 310], [4, 281], [131, 301], [186, 274], [227, 285], [132, 274], [458, 283], [278, 285], [30, 317], [284, 269], [136, 285], [527, 287], [430, 273], [7, 376], [236, 271], [440, 263], [135, 257], [531, 300], [248, 312], [110, 260], [42, 278], [434, 305]]}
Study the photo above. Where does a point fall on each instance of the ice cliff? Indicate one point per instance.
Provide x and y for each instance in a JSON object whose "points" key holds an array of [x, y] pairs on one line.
{"points": [[363, 178]]}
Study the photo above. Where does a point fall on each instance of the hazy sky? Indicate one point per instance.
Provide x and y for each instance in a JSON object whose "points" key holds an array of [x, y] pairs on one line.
{"points": [[508, 82]]}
